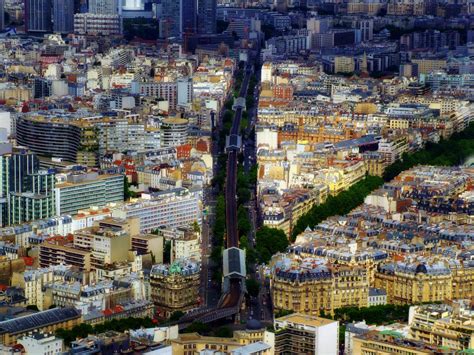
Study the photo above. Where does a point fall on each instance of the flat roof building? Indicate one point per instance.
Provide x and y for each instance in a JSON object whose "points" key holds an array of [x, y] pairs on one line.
{"points": [[77, 191], [41, 343], [302, 334]]}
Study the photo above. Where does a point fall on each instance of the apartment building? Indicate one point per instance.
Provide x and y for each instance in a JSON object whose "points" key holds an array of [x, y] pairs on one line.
{"points": [[148, 244], [444, 325], [175, 287], [389, 342], [167, 91], [107, 246], [82, 297], [174, 132], [375, 163], [426, 66], [341, 175], [41, 343], [106, 242], [155, 177], [415, 282], [237, 345], [310, 286], [34, 281], [81, 190], [62, 138], [282, 211], [392, 149], [85, 218], [93, 24], [343, 64], [302, 334], [134, 309], [173, 208], [185, 242], [58, 250], [377, 297]]}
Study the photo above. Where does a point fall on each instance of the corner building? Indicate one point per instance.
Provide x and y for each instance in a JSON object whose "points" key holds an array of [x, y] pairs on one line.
{"points": [[175, 287]]}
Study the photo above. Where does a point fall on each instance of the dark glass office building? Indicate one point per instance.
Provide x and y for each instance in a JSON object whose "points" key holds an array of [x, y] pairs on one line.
{"points": [[207, 16], [38, 16]]}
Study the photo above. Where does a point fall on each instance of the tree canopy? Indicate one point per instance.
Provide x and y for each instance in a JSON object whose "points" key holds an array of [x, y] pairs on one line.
{"points": [[253, 287], [270, 241], [381, 314], [453, 151], [341, 204], [120, 325]]}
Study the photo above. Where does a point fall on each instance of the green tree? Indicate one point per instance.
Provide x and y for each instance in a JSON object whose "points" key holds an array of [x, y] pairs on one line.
{"points": [[127, 194], [250, 253], [253, 287], [121, 325], [382, 314], [83, 330], [243, 195], [341, 204], [197, 327], [269, 31], [249, 101], [453, 151], [228, 116], [196, 227], [66, 335], [216, 255], [219, 223], [270, 241], [250, 258], [217, 275], [243, 221], [224, 332], [244, 242], [167, 252], [283, 312], [175, 316], [228, 104], [253, 174]]}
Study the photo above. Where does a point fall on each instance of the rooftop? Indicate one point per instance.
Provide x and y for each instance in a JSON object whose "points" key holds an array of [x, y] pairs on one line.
{"points": [[39, 320], [251, 348], [298, 318], [377, 292]]}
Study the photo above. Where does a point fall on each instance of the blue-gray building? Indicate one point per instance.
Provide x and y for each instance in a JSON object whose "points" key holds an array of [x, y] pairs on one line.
{"points": [[207, 10], [63, 16], [38, 15], [179, 18]]}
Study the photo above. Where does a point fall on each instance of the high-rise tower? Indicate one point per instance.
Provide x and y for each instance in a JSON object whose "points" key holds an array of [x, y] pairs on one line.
{"points": [[38, 16], [207, 16], [2, 16], [63, 16], [179, 18]]}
